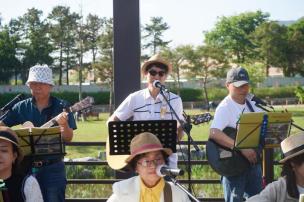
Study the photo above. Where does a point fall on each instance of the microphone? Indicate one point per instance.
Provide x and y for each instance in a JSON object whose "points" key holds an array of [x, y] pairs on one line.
{"points": [[157, 84], [12, 102], [257, 100], [163, 170]]}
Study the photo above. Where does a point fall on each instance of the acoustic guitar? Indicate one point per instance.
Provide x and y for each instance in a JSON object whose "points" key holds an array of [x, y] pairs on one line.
{"points": [[225, 161], [83, 104], [117, 162]]}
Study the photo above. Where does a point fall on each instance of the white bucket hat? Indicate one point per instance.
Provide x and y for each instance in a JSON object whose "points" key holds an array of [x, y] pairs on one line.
{"points": [[41, 74]]}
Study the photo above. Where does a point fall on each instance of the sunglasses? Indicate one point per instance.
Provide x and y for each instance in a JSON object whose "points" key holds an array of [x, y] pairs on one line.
{"points": [[153, 73]]}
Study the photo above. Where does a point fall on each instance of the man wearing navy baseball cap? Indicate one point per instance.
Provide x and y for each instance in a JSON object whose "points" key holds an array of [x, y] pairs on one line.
{"points": [[247, 182], [237, 76]]}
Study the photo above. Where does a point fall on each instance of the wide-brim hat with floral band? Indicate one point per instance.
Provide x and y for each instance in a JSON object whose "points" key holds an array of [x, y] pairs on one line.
{"points": [[41, 74], [155, 59], [9, 135], [145, 142], [292, 146]]}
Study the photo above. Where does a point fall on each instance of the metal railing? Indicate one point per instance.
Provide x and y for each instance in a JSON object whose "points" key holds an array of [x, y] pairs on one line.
{"points": [[268, 173]]}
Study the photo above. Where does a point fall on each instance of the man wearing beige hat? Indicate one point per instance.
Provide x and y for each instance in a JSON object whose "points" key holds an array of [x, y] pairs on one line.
{"points": [[290, 186], [39, 109], [249, 181], [148, 103]]}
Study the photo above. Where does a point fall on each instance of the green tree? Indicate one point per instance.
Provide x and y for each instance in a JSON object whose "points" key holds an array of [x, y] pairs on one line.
{"points": [[207, 62], [93, 27], [232, 35], [8, 60], [295, 54], [179, 58], [62, 24], [104, 65], [153, 34], [35, 38], [271, 44]]}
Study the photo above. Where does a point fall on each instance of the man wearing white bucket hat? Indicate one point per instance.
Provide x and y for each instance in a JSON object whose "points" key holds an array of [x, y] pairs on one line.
{"points": [[39, 109], [290, 186]]}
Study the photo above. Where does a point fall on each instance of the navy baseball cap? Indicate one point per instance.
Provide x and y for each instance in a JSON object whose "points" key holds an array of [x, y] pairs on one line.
{"points": [[237, 76]]}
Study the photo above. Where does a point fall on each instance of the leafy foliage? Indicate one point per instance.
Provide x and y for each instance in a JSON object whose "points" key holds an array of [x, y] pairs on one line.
{"points": [[154, 34]]}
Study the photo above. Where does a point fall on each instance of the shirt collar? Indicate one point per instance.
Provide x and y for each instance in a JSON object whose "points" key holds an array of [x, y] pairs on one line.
{"points": [[51, 101], [147, 95], [151, 194]]}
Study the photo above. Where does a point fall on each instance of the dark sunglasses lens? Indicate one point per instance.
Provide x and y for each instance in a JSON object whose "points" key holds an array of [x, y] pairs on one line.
{"points": [[152, 72], [161, 74]]}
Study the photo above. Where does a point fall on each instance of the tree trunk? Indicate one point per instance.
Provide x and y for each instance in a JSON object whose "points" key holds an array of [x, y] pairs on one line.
{"points": [[206, 93], [60, 65], [111, 110]]}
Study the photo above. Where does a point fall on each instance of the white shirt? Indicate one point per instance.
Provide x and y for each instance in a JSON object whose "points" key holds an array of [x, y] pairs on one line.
{"points": [[142, 106], [228, 113]]}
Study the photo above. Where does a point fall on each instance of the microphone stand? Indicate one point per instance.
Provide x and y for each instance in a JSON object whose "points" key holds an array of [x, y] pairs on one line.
{"points": [[186, 128], [175, 182]]}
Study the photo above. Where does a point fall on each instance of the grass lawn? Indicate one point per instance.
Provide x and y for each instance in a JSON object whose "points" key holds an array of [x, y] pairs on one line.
{"points": [[96, 130]]}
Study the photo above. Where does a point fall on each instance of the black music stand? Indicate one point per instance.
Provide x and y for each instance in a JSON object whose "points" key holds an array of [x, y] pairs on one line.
{"points": [[122, 132], [36, 142]]}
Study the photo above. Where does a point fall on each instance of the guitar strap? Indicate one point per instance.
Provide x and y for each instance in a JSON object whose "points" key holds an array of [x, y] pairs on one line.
{"points": [[167, 192], [249, 105]]}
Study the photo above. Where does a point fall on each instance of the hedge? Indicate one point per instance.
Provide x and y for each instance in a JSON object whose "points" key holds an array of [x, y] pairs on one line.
{"points": [[187, 94]]}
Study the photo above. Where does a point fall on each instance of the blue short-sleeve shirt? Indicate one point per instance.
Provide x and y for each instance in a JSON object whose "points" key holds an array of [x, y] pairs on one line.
{"points": [[27, 110]]}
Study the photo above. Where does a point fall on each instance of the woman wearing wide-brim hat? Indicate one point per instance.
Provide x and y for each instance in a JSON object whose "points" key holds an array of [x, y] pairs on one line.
{"points": [[288, 187], [146, 154], [18, 188]]}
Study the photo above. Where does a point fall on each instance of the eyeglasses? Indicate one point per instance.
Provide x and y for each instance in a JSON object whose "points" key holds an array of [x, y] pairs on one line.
{"points": [[153, 73], [149, 163]]}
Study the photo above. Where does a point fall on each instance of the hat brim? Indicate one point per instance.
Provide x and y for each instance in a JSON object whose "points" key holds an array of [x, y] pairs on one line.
{"points": [[166, 150], [20, 153], [39, 81], [147, 63], [239, 83], [291, 156]]}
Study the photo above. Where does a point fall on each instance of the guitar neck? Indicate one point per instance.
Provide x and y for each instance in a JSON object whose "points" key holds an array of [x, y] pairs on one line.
{"points": [[50, 123], [53, 121]]}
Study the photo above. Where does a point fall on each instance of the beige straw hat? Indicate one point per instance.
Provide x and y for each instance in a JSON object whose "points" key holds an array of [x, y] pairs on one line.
{"points": [[155, 59], [292, 146], [145, 142], [9, 135]]}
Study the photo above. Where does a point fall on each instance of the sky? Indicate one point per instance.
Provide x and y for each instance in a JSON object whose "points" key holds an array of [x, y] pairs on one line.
{"points": [[187, 19]]}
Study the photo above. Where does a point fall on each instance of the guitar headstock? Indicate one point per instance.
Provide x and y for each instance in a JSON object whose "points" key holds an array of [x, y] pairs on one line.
{"points": [[83, 104], [201, 118]]}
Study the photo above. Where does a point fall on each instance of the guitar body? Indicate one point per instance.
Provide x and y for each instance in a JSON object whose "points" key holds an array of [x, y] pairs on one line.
{"points": [[224, 161], [117, 162]]}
